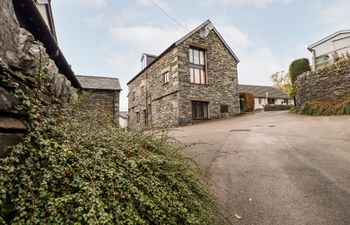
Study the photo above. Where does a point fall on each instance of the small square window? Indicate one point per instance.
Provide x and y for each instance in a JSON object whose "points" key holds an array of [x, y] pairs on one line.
{"points": [[224, 108], [166, 77]]}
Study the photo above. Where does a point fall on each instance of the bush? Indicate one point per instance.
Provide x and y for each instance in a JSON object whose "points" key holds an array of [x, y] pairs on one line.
{"points": [[76, 168], [298, 67], [247, 101], [276, 107], [326, 107]]}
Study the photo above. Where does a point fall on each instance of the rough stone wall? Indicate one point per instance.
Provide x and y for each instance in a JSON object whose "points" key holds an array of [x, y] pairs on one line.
{"points": [[323, 85], [21, 57], [106, 102], [222, 87], [151, 92]]}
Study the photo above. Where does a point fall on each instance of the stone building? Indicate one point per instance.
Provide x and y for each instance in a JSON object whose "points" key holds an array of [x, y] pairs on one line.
{"points": [[194, 79], [104, 94]]}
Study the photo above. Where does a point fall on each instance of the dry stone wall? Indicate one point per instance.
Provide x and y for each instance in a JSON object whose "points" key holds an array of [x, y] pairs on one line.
{"points": [[325, 84], [21, 59]]}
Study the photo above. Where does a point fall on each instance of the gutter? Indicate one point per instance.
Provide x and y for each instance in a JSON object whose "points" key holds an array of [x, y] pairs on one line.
{"points": [[30, 19]]}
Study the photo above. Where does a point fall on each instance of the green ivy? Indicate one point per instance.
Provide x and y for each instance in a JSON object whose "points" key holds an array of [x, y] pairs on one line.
{"points": [[74, 167]]}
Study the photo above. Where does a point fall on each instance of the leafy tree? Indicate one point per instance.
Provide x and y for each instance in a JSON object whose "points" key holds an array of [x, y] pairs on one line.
{"points": [[281, 81]]}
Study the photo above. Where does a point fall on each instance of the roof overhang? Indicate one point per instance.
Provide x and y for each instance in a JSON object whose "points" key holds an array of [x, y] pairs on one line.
{"points": [[29, 18], [311, 47]]}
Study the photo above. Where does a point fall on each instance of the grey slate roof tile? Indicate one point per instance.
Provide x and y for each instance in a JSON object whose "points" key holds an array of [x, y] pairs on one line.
{"points": [[99, 83]]}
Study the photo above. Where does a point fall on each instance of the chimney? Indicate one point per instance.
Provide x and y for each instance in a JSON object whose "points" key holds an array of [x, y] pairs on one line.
{"points": [[147, 59]]}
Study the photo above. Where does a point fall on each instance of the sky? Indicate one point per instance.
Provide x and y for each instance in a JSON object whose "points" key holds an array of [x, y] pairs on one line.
{"points": [[108, 37]]}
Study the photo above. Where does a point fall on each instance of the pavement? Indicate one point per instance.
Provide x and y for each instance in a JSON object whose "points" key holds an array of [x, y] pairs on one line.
{"points": [[276, 168]]}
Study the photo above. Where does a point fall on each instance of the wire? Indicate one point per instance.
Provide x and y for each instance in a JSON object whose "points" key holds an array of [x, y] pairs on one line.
{"points": [[168, 14]]}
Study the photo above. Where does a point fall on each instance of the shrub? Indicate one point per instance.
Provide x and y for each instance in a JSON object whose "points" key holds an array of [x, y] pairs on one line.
{"points": [[276, 107], [247, 101], [298, 67], [326, 107], [76, 168]]}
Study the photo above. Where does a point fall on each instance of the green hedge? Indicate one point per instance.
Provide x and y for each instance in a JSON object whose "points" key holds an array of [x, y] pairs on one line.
{"points": [[74, 167], [298, 67], [276, 107]]}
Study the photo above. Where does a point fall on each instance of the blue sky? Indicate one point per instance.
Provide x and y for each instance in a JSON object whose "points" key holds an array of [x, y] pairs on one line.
{"points": [[107, 37]]}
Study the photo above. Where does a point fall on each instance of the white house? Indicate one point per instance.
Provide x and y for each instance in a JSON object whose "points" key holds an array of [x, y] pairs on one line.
{"points": [[323, 51], [266, 95]]}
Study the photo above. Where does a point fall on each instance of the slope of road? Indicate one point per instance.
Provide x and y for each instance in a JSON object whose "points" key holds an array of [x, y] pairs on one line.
{"points": [[276, 167]]}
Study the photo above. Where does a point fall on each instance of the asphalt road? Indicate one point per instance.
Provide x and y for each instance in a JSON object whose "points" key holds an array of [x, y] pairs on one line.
{"points": [[276, 167]]}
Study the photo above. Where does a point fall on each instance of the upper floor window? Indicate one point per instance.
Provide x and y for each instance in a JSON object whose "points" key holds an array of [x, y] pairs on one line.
{"points": [[166, 77], [197, 66], [133, 96]]}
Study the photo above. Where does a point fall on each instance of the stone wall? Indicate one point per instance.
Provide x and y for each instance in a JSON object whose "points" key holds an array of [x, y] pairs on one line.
{"points": [[324, 84], [106, 102], [21, 59], [159, 104]]}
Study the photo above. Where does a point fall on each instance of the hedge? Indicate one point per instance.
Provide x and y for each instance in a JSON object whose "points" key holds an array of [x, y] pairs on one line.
{"points": [[247, 101], [298, 67], [276, 107]]}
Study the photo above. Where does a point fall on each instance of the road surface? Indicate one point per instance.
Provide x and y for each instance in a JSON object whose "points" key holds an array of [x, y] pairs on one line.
{"points": [[276, 168]]}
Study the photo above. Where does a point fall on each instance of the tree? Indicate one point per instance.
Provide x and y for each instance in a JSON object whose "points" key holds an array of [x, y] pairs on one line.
{"points": [[281, 81]]}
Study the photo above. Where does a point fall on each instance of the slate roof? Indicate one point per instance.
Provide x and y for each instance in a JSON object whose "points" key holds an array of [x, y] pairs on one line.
{"points": [[175, 44], [99, 83], [260, 91]]}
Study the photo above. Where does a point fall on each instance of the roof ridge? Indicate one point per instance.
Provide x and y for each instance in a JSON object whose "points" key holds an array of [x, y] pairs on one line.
{"points": [[91, 76]]}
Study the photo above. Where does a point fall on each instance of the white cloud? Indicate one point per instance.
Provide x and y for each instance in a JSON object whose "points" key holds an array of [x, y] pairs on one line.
{"points": [[256, 3], [162, 4], [84, 3], [335, 13]]}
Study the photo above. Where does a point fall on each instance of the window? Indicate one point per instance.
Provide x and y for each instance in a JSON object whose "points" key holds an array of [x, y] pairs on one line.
{"points": [[197, 66], [166, 77], [137, 116], [199, 110], [133, 96], [259, 101], [145, 117], [224, 108], [142, 90]]}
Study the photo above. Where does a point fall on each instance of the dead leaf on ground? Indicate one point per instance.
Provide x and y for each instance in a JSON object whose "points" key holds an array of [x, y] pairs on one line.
{"points": [[238, 216]]}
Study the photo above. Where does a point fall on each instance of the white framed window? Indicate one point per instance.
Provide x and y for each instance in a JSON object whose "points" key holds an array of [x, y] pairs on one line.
{"points": [[166, 77], [197, 66]]}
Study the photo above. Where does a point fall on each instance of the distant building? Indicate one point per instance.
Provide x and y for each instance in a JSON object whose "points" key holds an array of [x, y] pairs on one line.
{"points": [[325, 50], [266, 95], [123, 119], [104, 94], [192, 80]]}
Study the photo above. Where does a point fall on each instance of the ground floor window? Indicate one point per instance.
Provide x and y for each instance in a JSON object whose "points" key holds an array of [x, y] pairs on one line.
{"points": [[260, 101], [137, 116], [199, 110], [271, 101]]}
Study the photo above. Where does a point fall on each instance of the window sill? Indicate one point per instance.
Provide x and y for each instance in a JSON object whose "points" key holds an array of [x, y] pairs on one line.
{"points": [[199, 84]]}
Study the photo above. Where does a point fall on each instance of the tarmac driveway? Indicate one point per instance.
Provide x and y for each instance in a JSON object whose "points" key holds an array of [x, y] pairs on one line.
{"points": [[277, 167]]}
